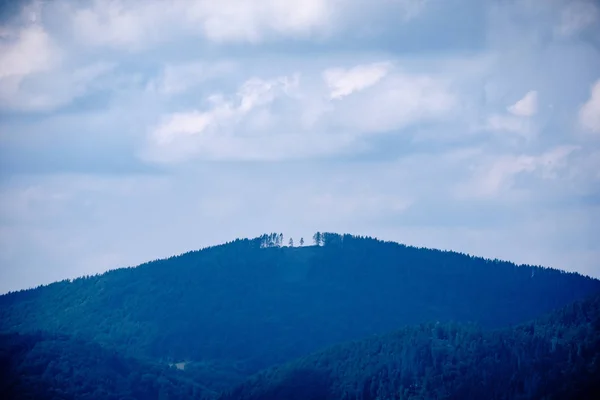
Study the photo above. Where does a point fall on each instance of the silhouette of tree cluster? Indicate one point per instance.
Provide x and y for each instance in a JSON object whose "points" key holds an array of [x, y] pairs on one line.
{"points": [[271, 240]]}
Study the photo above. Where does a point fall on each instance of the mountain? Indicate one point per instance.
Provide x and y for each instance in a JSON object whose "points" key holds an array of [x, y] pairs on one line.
{"points": [[42, 366], [230, 310], [557, 357]]}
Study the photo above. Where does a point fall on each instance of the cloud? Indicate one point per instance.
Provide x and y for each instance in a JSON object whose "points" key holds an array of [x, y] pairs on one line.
{"points": [[134, 25], [518, 120], [287, 117], [50, 90], [343, 82], [411, 199], [212, 133], [527, 106], [176, 79], [24, 52], [507, 123], [589, 113], [394, 118], [137, 26], [495, 176], [576, 16], [36, 73], [236, 20], [400, 101]]}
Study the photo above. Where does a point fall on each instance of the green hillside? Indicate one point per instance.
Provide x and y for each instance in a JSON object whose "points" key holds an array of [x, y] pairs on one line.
{"points": [[231, 310], [42, 366], [557, 357]]}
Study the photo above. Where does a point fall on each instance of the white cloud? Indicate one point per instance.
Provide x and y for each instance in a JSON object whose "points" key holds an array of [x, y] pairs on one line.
{"points": [[134, 25], [343, 82], [156, 105], [242, 20], [517, 120], [277, 119], [576, 16], [35, 71], [495, 176], [48, 90], [527, 106], [179, 78], [212, 132], [24, 52], [589, 113], [119, 23], [401, 100], [499, 176], [180, 124], [507, 123], [555, 160]]}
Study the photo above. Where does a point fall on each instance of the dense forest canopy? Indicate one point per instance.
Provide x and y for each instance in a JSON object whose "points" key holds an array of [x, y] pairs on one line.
{"points": [[228, 311], [556, 357], [44, 366]]}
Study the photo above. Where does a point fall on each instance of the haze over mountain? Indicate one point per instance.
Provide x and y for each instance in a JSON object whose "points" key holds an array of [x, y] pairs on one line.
{"points": [[228, 311]]}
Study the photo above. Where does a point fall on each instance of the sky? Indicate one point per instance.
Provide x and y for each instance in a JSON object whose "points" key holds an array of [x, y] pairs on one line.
{"points": [[132, 130]]}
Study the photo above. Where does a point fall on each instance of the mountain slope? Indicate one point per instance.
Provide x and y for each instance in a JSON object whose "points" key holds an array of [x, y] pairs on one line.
{"points": [[250, 306], [41, 366], [557, 357]]}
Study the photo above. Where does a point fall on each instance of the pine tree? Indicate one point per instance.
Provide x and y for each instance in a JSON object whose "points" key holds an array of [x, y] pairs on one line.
{"points": [[317, 238]]}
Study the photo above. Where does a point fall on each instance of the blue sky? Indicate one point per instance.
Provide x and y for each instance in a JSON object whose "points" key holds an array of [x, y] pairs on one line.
{"points": [[133, 130]]}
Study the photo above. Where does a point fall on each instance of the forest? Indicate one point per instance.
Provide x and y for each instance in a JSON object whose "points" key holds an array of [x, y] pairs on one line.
{"points": [[40, 366], [555, 357], [344, 317]]}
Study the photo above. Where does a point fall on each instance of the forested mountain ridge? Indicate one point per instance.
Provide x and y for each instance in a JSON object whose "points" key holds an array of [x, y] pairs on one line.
{"points": [[555, 357], [44, 366], [254, 303]]}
